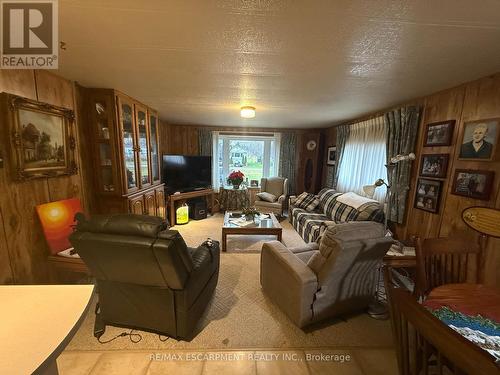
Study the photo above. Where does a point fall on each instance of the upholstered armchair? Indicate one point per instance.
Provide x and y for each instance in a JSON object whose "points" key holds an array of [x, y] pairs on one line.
{"points": [[274, 201], [147, 278], [336, 277]]}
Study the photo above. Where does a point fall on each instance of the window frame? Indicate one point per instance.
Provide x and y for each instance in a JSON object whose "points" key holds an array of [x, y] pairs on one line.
{"points": [[267, 138]]}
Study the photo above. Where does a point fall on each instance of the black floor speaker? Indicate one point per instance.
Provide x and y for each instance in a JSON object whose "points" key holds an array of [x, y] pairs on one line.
{"points": [[198, 209]]}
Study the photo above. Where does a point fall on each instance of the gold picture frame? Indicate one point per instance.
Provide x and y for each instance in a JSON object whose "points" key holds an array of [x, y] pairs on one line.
{"points": [[41, 137]]}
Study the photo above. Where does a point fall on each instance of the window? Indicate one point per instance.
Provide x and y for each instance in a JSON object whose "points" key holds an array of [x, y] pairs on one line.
{"points": [[364, 158], [254, 155]]}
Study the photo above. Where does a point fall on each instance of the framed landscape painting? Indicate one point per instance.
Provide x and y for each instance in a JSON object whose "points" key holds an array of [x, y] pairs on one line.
{"points": [[42, 139]]}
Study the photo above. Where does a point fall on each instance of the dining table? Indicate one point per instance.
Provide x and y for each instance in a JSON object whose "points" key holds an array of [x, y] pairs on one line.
{"points": [[473, 310], [36, 324]]}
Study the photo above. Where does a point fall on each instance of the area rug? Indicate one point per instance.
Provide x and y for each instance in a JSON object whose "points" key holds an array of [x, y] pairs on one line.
{"points": [[240, 316]]}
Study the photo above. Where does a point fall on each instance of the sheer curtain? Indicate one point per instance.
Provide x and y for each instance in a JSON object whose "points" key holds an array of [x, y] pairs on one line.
{"points": [[215, 161], [364, 158]]}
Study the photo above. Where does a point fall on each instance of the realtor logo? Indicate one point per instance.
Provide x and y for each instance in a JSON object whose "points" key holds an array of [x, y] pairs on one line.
{"points": [[29, 37]]}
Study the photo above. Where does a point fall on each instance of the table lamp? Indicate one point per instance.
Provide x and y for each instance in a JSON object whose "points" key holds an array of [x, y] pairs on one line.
{"points": [[369, 191]]}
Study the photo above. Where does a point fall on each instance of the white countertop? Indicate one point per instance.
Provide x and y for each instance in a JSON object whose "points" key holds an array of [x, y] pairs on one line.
{"points": [[37, 322]]}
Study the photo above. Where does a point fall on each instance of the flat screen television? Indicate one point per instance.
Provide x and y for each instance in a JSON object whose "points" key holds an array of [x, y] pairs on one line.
{"points": [[186, 173]]}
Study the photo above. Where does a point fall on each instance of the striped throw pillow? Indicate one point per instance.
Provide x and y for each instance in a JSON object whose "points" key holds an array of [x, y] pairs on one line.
{"points": [[307, 201]]}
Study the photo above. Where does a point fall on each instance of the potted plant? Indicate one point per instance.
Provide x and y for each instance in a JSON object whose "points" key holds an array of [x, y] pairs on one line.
{"points": [[235, 178], [250, 213]]}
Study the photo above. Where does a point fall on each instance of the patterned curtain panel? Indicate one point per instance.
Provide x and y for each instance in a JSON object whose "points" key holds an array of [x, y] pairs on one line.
{"points": [[330, 176], [342, 135], [401, 134], [288, 150], [205, 142]]}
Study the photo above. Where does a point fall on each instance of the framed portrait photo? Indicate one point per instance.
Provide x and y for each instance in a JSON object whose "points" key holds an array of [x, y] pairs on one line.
{"points": [[479, 139], [434, 165], [439, 133], [473, 183], [428, 195], [42, 139], [332, 155]]}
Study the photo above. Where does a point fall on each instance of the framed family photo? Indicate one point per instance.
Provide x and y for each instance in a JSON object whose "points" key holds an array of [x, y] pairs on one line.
{"points": [[473, 183], [479, 139], [439, 133], [434, 165], [332, 155], [428, 195], [42, 139]]}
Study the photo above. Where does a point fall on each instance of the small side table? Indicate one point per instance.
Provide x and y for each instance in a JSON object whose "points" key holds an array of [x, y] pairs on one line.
{"points": [[408, 262], [233, 199], [252, 192], [38, 321]]}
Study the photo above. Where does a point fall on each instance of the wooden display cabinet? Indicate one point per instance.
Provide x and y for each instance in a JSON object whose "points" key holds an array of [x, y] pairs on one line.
{"points": [[123, 134]]}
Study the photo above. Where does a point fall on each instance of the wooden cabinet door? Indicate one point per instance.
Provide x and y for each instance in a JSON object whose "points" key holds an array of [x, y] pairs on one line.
{"points": [[150, 201], [154, 146], [128, 144], [144, 159], [102, 116], [253, 191], [137, 205], [160, 202]]}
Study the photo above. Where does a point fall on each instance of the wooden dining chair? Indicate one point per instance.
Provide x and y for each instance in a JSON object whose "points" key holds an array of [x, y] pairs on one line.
{"points": [[447, 261]]}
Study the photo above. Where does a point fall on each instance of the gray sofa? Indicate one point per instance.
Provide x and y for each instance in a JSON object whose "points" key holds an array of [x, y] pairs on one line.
{"points": [[336, 277]]}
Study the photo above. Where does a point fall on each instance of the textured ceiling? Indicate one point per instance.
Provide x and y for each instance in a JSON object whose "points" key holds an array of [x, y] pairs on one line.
{"points": [[300, 63]]}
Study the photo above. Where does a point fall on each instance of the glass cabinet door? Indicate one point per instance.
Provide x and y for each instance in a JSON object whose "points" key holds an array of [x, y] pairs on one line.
{"points": [[105, 162], [129, 148], [155, 157], [143, 141]]}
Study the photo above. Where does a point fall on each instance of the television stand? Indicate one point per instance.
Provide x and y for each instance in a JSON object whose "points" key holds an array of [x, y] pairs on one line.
{"points": [[188, 195]]}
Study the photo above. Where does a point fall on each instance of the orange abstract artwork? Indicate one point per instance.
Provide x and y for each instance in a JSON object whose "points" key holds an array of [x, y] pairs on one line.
{"points": [[57, 220]]}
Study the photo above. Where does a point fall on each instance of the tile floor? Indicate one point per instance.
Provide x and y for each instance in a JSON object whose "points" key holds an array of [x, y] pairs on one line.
{"points": [[294, 362]]}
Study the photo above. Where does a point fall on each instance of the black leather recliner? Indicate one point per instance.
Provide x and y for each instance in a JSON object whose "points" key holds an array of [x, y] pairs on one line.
{"points": [[147, 278]]}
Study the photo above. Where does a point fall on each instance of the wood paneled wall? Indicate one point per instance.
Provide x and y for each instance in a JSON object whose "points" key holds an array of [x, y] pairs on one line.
{"points": [[178, 139], [183, 139], [475, 100], [23, 250], [330, 137]]}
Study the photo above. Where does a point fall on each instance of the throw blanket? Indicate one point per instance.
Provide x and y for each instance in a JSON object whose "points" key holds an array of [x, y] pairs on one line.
{"points": [[482, 331], [354, 200]]}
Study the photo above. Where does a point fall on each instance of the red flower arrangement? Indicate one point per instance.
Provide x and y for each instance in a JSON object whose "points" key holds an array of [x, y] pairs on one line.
{"points": [[235, 178]]}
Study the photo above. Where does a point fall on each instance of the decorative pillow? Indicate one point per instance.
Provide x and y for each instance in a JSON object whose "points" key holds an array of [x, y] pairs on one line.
{"points": [[267, 197], [307, 201]]}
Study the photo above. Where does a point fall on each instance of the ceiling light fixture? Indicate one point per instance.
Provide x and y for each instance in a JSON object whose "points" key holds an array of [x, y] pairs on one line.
{"points": [[247, 112]]}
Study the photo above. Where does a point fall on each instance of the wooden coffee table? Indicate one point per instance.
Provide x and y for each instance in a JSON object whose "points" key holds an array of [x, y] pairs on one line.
{"points": [[270, 226]]}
